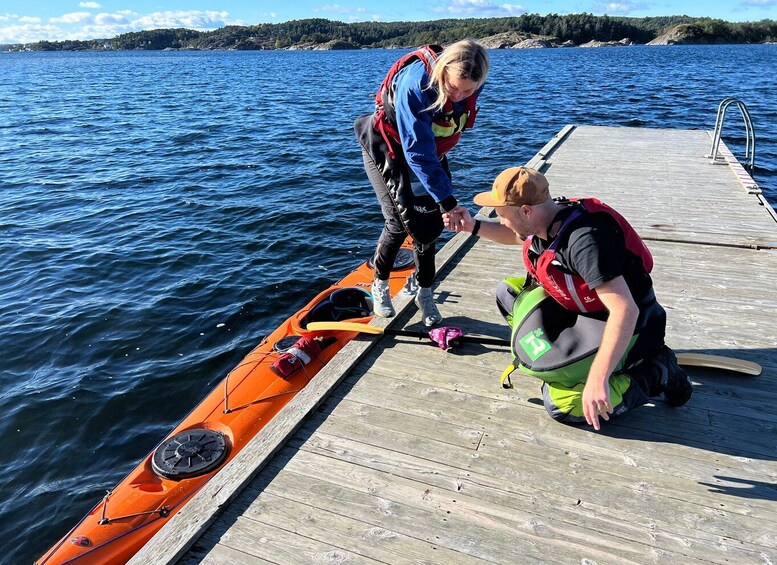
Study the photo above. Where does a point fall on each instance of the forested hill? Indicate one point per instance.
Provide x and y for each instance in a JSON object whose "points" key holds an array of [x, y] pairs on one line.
{"points": [[575, 29]]}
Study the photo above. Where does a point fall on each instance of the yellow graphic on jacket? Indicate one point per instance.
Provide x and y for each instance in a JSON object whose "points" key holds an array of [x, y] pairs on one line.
{"points": [[447, 125]]}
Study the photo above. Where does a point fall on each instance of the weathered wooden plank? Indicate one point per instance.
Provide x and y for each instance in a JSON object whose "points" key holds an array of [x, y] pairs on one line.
{"points": [[282, 545], [689, 192], [518, 418], [644, 493], [406, 511], [381, 415], [715, 392], [732, 421], [597, 462], [530, 503], [479, 367], [323, 520], [221, 555]]}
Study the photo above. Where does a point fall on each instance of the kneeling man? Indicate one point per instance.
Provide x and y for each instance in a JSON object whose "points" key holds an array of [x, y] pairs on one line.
{"points": [[585, 320]]}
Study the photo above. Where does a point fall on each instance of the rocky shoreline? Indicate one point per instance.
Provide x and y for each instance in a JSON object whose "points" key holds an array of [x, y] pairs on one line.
{"points": [[683, 34], [511, 40]]}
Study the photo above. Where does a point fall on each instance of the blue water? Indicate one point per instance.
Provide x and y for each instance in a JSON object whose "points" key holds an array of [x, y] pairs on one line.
{"points": [[160, 212]]}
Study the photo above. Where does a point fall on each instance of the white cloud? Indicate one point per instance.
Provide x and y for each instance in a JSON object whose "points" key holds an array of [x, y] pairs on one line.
{"points": [[93, 5], [111, 19], [621, 8], [72, 18], [346, 13], [513, 8], [192, 19], [29, 33], [338, 9], [86, 25], [480, 8], [617, 8]]}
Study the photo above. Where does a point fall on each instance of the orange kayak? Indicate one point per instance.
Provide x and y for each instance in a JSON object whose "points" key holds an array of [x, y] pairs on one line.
{"points": [[222, 424]]}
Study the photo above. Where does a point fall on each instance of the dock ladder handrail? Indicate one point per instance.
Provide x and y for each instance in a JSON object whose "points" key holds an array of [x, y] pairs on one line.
{"points": [[749, 132]]}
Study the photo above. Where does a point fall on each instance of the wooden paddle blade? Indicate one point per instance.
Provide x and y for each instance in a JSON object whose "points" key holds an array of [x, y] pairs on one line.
{"points": [[719, 362], [344, 327]]}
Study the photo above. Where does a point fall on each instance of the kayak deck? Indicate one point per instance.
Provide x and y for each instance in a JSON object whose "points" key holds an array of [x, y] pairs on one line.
{"points": [[417, 454]]}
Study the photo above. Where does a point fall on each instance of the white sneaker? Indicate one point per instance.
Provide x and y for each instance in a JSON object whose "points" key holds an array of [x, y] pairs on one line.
{"points": [[381, 299], [425, 302]]}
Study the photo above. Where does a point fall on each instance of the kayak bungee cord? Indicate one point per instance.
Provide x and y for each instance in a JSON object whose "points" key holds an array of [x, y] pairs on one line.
{"points": [[227, 409], [163, 512], [269, 354]]}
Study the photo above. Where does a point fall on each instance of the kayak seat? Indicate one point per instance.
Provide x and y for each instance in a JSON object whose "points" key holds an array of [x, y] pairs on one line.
{"points": [[342, 304]]}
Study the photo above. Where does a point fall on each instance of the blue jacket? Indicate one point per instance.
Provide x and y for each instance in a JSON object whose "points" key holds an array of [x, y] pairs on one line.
{"points": [[414, 124]]}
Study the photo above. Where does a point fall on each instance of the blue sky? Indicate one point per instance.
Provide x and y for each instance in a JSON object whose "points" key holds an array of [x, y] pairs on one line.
{"points": [[22, 22]]}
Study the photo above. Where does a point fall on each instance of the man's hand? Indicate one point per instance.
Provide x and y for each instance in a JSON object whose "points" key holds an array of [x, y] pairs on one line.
{"points": [[596, 401], [622, 319]]}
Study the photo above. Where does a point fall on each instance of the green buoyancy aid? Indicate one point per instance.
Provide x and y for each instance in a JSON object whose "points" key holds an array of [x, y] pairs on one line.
{"points": [[552, 343]]}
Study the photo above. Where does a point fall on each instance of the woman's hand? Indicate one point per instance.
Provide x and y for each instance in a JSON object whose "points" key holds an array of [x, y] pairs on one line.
{"points": [[458, 219], [452, 219]]}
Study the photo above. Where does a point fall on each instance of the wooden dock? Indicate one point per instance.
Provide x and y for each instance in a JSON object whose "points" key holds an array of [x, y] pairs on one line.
{"points": [[398, 452]]}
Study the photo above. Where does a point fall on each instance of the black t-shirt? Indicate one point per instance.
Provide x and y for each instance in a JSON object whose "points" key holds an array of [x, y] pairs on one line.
{"points": [[593, 247]]}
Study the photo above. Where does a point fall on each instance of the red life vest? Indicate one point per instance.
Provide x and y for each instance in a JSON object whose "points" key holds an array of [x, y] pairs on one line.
{"points": [[447, 126], [571, 291]]}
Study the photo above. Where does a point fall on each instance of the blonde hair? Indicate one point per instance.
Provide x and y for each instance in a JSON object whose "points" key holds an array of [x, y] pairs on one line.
{"points": [[465, 59]]}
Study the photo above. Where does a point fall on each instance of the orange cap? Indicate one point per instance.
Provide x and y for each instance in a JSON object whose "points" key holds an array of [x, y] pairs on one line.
{"points": [[516, 186]]}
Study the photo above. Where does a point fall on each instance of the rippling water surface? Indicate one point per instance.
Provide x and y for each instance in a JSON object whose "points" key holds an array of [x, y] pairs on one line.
{"points": [[160, 212]]}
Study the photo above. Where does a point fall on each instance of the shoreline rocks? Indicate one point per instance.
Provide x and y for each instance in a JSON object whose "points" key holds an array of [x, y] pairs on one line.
{"points": [[505, 40], [683, 34], [333, 45], [620, 43]]}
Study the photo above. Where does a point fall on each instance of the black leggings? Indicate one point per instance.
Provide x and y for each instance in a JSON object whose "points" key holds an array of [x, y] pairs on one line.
{"points": [[394, 233]]}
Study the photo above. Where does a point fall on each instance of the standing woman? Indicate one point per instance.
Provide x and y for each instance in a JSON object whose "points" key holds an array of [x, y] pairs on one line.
{"points": [[424, 103]]}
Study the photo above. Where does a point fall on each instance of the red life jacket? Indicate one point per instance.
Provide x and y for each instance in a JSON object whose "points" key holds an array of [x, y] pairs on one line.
{"points": [[447, 126], [571, 291]]}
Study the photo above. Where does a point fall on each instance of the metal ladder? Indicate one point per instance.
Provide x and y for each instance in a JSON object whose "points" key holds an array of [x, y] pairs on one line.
{"points": [[749, 133]]}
